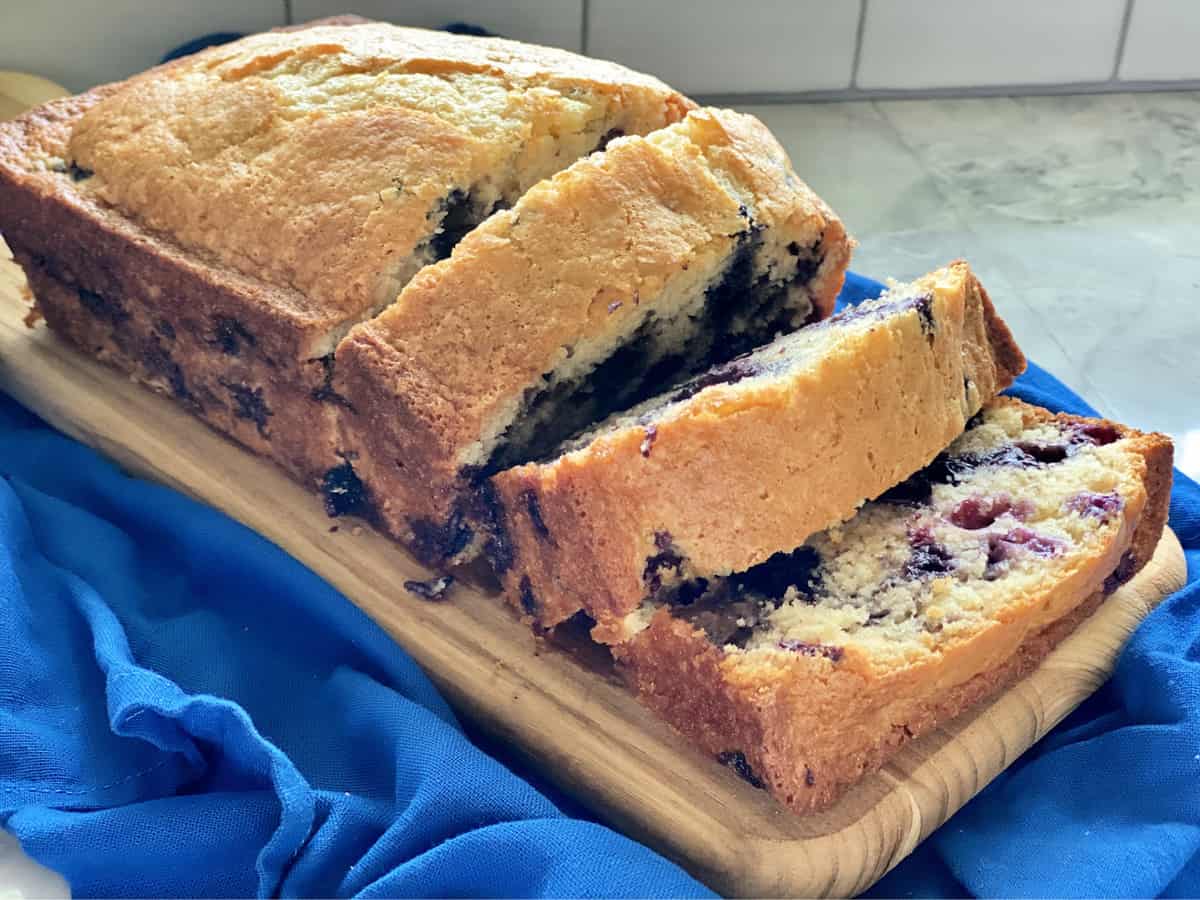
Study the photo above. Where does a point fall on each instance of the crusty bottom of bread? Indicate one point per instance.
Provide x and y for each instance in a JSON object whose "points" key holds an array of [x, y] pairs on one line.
{"points": [[283, 409], [678, 673]]}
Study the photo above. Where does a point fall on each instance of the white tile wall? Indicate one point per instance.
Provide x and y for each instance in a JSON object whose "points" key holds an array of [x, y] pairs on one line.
{"points": [[783, 47], [722, 47], [954, 43], [1163, 41], [82, 44], [558, 23]]}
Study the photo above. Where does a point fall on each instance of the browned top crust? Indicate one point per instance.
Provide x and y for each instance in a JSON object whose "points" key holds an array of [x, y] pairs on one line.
{"points": [[564, 277], [319, 160]]}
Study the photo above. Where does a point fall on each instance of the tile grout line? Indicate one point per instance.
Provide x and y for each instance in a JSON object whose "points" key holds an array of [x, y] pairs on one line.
{"points": [[858, 42], [1121, 37], [586, 14], [966, 92]]}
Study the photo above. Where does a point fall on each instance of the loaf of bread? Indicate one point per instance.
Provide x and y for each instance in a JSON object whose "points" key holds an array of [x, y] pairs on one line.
{"points": [[811, 668], [750, 458], [216, 225], [628, 271]]}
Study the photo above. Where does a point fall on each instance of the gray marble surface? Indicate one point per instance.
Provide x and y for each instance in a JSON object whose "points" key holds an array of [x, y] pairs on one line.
{"points": [[1081, 215]]}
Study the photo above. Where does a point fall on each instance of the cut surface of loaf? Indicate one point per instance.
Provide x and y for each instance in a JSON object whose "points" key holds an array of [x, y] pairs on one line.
{"points": [[812, 668], [750, 458], [635, 267], [215, 225]]}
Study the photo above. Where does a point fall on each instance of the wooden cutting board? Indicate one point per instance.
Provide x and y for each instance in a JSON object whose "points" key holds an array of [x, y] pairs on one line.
{"points": [[567, 711]]}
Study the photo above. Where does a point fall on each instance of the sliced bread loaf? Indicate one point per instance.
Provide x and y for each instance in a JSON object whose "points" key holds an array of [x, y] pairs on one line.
{"points": [[626, 272]]}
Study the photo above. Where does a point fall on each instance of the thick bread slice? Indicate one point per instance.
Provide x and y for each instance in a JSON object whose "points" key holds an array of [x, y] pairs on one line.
{"points": [[813, 670], [752, 457]]}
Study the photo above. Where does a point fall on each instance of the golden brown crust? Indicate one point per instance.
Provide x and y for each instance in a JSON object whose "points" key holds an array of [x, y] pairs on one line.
{"points": [[225, 196], [570, 271], [810, 728], [322, 158], [740, 474]]}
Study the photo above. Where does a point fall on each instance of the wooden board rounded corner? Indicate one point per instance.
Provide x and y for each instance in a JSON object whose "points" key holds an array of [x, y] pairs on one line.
{"points": [[588, 734]]}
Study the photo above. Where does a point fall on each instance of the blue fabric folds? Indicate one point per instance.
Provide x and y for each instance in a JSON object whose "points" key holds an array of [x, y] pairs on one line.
{"points": [[184, 710]]}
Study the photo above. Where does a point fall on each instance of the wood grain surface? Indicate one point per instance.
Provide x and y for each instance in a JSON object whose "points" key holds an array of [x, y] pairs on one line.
{"points": [[565, 710]]}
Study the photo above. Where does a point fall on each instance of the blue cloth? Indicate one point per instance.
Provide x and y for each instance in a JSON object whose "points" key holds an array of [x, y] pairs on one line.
{"points": [[186, 710]]}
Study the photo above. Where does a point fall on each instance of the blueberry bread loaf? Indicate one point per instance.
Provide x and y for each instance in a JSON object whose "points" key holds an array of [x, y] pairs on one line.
{"points": [[810, 669], [216, 225], [751, 457], [626, 272]]}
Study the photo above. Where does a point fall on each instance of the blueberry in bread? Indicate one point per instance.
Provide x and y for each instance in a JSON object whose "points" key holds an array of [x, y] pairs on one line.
{"points": [[749, 458], [215, 225], [632, 269], [817, 664]]}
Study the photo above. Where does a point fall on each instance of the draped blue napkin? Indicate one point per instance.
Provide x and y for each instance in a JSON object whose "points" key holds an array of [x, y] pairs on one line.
{"points": [[185, 710]]}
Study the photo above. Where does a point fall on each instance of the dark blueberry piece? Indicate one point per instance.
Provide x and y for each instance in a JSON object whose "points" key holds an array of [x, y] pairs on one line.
{"points": [[430, 590], [978, 512], [743, 211], [614, 306], [651, 432], [1003, 546], [1037, 544], [111, 311], [344, 493], [877, 615], [458, 219], [998, 552], [248, 403], [535, 515], [1100, 506], [730, 373], [434, 543], [917, 489], [736, 760], [491, 513], [229, 335], [1043, 453], [689, 592], [611, 135], [1122, 573], [976, 420], [78, 172], [666, 558], [325, 393], [928, 558], [809, 778], [528, 600], [807, 648], [808, 260], [1099, 433], [158, 361], [772, 577], [468, 29], [924, 307]]}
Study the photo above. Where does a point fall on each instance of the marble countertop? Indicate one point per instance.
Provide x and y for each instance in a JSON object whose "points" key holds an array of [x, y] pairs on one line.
{"points": [[1081, 215]]}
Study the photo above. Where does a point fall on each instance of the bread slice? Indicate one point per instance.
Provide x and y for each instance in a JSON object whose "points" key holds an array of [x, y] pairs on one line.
{"points": [[628, 271], [215, 225], [751, 457], [811, 669]]}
